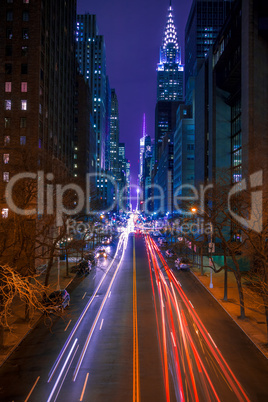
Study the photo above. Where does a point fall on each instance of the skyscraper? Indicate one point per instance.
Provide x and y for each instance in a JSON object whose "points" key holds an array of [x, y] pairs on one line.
{"points": [[91, 56], [170, 78], [114, 135], [37, 85], [170, 70], [203, 25]]}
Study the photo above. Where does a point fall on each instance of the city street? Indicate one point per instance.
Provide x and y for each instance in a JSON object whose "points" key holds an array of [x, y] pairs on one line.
{"points": [[136, 330]]}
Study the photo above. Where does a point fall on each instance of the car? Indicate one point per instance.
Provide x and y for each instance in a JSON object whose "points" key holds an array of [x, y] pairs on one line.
{"points": [[183, 263], [169, 253], [82, 268], [101, 253], [56, 301], [90, 257]]}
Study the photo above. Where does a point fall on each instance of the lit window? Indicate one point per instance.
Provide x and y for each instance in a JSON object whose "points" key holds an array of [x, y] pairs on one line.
{"points": [[24, 105], [24, 87], [75, 156], [8, 104], [7, 122], [6, 140], [7, 86], [24, 50], [4, 213], [25, 33], [22, 140], [6, 158], [6, 177], [9, 33]]}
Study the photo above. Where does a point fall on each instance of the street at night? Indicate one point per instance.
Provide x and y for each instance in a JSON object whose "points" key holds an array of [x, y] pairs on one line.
{"points": [[133, 201], [137, 328]]}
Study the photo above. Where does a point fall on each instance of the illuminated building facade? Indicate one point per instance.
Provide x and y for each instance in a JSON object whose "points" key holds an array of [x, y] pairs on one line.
{"points": [[91, 57]]}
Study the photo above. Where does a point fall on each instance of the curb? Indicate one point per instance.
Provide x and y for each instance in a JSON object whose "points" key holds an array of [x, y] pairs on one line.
{"points": [[228, 314]]}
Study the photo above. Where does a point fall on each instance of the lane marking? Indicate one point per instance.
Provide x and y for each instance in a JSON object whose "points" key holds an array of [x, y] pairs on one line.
{"points": [[33, 387], [109, 294], [101, 324], [67, 325], [136, 374], [61, 372], [84, 387], [84, 295], [82, 355]]}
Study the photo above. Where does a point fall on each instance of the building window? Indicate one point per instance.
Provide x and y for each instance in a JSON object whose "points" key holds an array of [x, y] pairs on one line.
{"points": [[24, 105], [24, 87], [9, 15], [9, 33], [9, 1], [22, 140], [7, 122], [6, 158], [8, 51], [6, 140], [26, 1], [25, 33], [6, 177], [40, 108], [4, 213], [24, 69], [24, 50], [25, 16], [8, 104], [7, 86], [8, 68], [23, 122]]}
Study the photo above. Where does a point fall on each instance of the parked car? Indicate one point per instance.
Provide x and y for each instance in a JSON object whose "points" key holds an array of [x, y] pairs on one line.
{"points": [[57, 301], [183, 263], [90, 257], [169, 253], [82, 268], [101, 253]]}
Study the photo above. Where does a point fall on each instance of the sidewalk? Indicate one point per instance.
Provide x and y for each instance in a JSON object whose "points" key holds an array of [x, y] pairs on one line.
{"points": [[20, 327], [254, 325]]}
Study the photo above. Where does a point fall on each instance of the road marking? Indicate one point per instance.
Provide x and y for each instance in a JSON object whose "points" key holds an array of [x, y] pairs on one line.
{"points": [[33, 387], [84, 387], [61, 372], [191, 303], [109, 294], [67, 325], [84, 295], [101, 324], [136, 374]]}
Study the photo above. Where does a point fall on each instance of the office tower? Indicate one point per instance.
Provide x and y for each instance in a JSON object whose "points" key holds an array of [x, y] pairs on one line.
{"points": [[91, 56], [205, 20], [37, 83], [170, 70], [184, 153], [114, 135], [85, 136], [142, 143], [170, 76]]}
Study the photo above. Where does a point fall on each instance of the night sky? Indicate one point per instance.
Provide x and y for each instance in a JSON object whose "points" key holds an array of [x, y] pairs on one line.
{"points": [[133, 32]]}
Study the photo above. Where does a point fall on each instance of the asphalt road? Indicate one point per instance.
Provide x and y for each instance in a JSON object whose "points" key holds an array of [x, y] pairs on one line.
{"points": [[122, 340]]}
